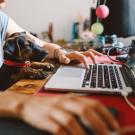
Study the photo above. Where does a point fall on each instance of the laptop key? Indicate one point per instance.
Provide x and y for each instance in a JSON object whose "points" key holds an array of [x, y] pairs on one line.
{"points": [[106, 77], [100, 77], [86, 79], [93, 78], [88, 73], [118, 78], [112, 77]]}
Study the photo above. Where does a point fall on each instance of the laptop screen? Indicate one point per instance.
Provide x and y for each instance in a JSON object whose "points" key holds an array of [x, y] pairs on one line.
{"points": [[131, 61]]}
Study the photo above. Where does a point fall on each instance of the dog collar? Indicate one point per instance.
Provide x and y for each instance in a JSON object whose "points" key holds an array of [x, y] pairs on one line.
{"points": [[15, 64]]}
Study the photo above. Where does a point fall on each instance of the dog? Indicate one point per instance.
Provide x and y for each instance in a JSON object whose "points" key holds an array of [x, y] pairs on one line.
{"points": [[19, 53]]}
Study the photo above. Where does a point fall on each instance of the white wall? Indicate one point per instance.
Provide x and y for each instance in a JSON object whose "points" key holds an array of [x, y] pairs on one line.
{"points": [[35, 15]]}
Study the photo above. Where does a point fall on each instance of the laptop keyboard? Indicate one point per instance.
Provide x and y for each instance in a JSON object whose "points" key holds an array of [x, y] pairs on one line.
{"points": [[102, 76]]}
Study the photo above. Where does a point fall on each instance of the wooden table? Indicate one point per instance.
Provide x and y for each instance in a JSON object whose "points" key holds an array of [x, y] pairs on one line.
{"points": [[27, 86]]}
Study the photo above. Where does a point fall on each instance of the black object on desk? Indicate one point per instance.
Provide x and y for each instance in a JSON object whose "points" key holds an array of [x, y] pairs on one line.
{"points": [[11, 126]]}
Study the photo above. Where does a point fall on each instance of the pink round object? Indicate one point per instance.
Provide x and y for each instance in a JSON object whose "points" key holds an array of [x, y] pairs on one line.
{"points": [[102, 11]]}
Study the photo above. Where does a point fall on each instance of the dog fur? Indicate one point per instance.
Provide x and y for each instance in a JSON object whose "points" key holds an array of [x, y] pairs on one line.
{"points": [[20, 48]]}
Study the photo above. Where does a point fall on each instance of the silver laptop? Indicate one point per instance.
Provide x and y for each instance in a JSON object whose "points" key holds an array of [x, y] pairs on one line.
{"points": [[100, 78]]}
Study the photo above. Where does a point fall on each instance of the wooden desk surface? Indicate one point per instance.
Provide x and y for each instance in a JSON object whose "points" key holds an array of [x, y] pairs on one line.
{"points": [[27, 86]]}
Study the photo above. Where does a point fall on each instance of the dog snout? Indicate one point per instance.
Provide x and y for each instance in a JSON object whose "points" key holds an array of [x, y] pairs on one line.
{"points": [[39, 53]]}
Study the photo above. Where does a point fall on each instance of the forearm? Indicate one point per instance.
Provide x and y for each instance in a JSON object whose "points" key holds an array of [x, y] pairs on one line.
{"points": [[11, 104]]}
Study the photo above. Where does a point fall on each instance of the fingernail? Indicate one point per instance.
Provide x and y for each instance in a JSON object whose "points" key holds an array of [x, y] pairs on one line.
{"points": [[66, 61]]}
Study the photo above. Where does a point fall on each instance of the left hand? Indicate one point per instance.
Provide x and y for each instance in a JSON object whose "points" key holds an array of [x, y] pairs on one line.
{"points": [[79, 56]]}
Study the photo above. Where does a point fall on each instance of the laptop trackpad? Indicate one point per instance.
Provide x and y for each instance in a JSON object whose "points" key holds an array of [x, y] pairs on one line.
{"points": [[70, 72], [66, 78]]}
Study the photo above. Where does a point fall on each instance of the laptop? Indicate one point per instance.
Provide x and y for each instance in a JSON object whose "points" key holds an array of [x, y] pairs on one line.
{"points": [[105, 78]]}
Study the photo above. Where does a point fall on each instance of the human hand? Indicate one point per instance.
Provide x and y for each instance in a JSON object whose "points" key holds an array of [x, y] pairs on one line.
{"points": [[56, 114], [79, 56]]}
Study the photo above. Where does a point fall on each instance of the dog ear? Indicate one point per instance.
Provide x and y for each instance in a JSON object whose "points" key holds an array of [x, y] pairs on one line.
{"points": [[16, 48], [11, 49]]}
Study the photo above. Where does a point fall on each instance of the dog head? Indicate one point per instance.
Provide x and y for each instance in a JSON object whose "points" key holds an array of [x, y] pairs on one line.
{"points": [[20, 48]]}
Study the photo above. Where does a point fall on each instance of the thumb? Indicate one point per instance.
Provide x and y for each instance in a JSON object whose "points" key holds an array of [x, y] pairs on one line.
{"points": [[63, 59]]}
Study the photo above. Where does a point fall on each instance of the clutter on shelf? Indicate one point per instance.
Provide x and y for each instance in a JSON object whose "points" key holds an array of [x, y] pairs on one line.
{"points": [[48, 35]]}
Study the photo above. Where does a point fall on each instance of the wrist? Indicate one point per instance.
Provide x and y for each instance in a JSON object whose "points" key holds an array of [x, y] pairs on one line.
{"points": [[59, 51], [11, 104]]}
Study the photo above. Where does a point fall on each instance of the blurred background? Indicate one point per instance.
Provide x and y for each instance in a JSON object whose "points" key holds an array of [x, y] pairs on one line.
{"points": [[66, 21], [36, 15]]}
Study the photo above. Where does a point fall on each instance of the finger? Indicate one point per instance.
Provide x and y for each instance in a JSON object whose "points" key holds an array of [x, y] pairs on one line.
{"points": [[80, 57], [63, 59], [91, 55], [96, 122], [103, 112], [67, 121], [107, 116], [84, 60], [95, 52]]}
